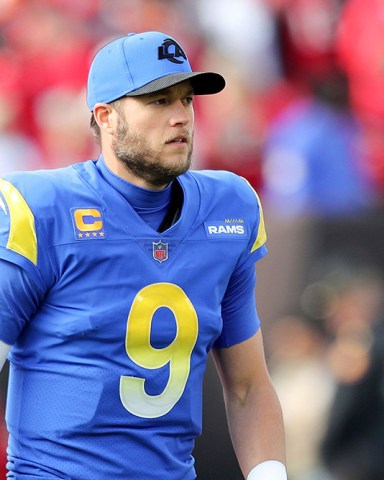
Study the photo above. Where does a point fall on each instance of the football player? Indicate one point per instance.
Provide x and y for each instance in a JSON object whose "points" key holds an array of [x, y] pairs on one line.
{"points": [[118, 276]]}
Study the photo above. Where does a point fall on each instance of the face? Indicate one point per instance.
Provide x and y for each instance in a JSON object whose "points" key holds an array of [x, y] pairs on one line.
{"points": [[153, 137]]}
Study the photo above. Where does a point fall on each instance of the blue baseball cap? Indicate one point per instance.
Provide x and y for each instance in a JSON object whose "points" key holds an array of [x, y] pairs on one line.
{"points": [[142, 63]]}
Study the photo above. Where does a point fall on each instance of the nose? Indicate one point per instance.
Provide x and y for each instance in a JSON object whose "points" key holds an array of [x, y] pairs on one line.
{"points": [[181, 113]]}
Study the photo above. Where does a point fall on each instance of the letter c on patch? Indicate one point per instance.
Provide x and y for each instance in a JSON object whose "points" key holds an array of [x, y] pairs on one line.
{"points": [[86, 219]]}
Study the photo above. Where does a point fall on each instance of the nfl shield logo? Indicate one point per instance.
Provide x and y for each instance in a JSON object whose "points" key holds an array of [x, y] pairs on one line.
{"points": [[160, 251]]}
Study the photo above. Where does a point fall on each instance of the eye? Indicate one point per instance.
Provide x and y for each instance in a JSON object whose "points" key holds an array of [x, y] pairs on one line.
{"points": [[188, 100], [160, 101]]}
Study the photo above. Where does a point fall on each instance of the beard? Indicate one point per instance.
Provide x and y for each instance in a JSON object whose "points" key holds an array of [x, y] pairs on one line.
{"points": [[143, 161]]}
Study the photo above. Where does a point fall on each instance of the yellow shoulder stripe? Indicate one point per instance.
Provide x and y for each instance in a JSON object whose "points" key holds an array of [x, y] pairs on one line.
{"points": [[22, 233], [261, 234]]}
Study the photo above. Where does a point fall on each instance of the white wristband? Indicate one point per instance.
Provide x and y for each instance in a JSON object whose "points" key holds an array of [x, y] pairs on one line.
{"points": [[269, 470]]}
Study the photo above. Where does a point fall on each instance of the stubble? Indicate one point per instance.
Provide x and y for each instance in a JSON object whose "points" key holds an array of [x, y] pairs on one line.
{"points": [[143, 161]]}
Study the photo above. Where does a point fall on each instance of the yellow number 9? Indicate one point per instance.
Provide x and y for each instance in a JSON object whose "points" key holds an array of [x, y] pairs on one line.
{"points": [[139, 349]]}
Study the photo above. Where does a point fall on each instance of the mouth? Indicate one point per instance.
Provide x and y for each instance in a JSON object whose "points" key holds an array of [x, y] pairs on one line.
{"points": [[179, 140]]}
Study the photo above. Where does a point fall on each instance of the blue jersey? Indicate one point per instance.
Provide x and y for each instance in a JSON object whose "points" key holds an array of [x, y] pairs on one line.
{"points": [[115, 320]]}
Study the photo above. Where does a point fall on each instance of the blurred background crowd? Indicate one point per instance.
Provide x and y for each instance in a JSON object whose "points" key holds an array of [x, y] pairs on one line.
{"points": [[302, 118]]}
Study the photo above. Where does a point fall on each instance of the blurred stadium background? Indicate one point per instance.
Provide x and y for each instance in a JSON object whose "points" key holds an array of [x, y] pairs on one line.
{"points": [[302, 118]]}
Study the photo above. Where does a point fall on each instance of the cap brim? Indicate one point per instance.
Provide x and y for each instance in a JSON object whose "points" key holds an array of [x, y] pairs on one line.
{"points": [[203, 83]]}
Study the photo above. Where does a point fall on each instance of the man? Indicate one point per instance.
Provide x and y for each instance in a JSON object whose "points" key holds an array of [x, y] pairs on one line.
{"points": [[119, 275]]}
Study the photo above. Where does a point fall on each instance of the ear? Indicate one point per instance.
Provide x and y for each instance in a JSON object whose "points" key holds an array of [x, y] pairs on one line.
{"points": [[103, 115]]}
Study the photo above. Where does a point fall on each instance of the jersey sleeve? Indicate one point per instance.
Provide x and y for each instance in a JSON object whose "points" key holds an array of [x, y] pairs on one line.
{"points": [[239, 311], [24, 260]]}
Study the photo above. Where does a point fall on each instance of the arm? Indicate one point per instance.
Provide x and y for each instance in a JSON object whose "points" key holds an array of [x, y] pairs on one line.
{"points": [[253, 409], [4, 349]]}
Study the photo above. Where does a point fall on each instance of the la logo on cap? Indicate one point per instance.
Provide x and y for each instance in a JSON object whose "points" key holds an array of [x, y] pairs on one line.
{"points": [[171, 51]]}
